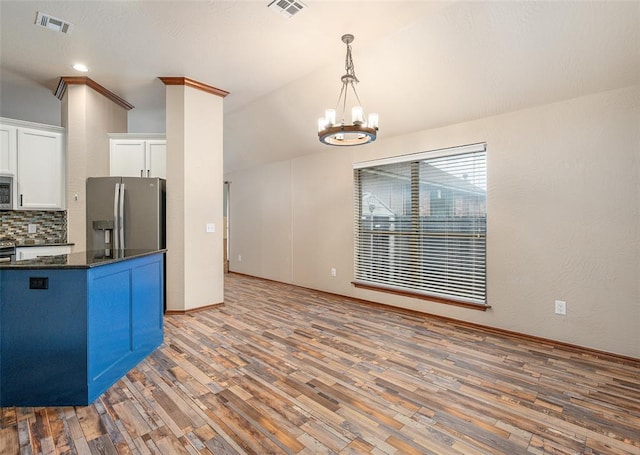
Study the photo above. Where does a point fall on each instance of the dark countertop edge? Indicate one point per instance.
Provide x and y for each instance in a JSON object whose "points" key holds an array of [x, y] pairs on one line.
{"points": [[24, 245], [30, 265], [113, 261]]}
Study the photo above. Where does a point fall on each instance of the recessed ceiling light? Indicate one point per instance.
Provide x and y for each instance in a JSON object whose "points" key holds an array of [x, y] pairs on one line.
{"points": [[80, 67]]}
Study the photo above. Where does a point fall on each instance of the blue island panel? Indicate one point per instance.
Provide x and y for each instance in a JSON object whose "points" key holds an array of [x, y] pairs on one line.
{"points": [[44, 335], [147, 314], [67, 344], [109, 323], [125, 318]]}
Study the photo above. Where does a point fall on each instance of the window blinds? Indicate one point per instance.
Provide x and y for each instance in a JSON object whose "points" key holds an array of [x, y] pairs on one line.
{"points": [[420, 224]]}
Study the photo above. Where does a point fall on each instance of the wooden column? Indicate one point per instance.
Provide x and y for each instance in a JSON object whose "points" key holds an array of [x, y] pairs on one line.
{"points": [[194, 195]]}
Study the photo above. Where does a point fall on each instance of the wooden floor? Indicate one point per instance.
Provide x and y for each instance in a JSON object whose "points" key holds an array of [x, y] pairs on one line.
{"points": [[280, 369]]}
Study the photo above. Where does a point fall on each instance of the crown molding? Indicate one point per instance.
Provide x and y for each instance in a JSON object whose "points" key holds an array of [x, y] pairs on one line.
{"points": [[195, 84], [65, 81]]}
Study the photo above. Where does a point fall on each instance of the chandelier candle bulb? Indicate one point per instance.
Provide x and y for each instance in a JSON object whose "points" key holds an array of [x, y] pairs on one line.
{"points": [[357, 116], [330, 117], [373, 121], [322, 124]]}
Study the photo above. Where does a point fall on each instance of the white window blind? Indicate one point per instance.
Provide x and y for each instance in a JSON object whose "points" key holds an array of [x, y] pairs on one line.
{"points": [[421, 224]]}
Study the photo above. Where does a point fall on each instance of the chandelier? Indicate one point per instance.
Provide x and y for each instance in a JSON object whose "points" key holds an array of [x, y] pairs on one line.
{"points": [[359, 131]]}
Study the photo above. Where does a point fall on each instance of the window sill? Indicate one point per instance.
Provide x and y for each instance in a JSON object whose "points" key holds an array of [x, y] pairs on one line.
{"points": [[416, 295]]}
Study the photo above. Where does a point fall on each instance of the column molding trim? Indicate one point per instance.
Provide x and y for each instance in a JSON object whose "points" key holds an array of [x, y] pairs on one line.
{"points": [[195, 84], [65, 81]]}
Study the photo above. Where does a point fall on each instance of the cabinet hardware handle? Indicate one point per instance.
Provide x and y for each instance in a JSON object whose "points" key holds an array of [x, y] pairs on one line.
{"points": [[141, 175], [148, 173], [21, 200]]}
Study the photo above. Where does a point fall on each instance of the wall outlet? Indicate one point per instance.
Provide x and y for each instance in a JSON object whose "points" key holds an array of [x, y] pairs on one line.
{"points": [[333, 271], [32, 228], [211, 227], [239, 258], [38, 282], [561, 307]]}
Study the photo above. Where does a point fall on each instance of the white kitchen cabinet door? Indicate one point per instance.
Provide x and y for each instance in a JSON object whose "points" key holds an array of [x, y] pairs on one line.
{"points": [[32, 252], [41, 183], [8, 149], [138, 157], [156, 159], [127, 158]]}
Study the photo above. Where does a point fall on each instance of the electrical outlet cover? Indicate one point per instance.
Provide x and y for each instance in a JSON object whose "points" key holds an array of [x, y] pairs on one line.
{"points": [[561, 307]]}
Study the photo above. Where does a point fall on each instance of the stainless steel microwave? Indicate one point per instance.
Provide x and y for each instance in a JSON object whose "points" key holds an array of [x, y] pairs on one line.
{"points": [[6, 192]]}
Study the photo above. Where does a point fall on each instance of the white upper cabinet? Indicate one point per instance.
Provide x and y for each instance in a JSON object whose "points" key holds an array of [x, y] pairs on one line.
{"points": [[34, 154], [156, 153], [127, 158], [40, 178], [8, 149], [138, 156]]}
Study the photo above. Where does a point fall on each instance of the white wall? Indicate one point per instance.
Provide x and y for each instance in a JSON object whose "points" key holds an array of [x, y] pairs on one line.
{"points": [[563, 219], [261, 217], [29, 101], [147, 121], [195, 276]]}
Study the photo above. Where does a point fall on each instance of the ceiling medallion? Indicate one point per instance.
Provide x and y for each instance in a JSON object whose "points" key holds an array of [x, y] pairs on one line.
{"points": [[359, 131]]}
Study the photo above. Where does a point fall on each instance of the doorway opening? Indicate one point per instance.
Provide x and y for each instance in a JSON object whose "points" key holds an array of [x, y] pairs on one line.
{"points": [[225, 208]]}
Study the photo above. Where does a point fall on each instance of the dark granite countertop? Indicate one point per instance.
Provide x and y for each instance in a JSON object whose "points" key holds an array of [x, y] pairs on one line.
{"points": [[79, 260]]}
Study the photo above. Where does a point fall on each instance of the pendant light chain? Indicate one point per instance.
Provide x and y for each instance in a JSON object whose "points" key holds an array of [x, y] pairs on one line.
{"points": [[348, 64], [349, 79]]}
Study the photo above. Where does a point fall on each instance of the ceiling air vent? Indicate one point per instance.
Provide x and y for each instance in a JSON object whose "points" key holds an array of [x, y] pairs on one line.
{"points": [[287, 8], [53, 23]]}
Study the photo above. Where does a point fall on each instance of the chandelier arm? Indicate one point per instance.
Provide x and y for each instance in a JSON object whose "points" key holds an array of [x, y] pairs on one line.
{"points": [[357, 97], [343, 91], [345, 88]]}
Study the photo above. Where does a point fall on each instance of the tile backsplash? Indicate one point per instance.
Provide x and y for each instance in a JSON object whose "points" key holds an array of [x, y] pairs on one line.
{"points": [[51, 227]]}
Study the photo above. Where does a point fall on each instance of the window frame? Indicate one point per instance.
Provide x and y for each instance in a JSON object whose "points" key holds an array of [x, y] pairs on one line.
{"points": [[413, 162]]}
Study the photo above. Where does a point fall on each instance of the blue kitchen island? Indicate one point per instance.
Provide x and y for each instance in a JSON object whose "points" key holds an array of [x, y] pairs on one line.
{"points": [[72, 325]]}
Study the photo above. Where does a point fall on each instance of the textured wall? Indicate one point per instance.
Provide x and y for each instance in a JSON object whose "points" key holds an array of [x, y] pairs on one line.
{"points": [[265, 192], [29, 101], [563, 219], [88, 117]]}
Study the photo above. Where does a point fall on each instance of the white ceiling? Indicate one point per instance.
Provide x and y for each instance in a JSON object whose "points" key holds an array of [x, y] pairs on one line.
{"points": [[421, 64]]}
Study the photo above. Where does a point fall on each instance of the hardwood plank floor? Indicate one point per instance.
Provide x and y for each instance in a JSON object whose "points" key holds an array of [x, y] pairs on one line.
{"points": [[281, 369]]}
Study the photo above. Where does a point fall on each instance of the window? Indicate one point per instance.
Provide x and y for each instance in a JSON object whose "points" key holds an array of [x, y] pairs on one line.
{"points": [[421, 224]]}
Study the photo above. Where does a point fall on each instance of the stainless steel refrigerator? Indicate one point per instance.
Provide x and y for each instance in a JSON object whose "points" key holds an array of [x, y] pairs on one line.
{"points": [[125, 213]]}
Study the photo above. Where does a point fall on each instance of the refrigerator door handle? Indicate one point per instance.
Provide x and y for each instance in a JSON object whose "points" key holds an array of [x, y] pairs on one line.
{"points": [[121, 206], [116, 219]]}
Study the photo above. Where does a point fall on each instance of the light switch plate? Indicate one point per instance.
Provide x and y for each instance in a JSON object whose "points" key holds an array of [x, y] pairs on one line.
{"points": [[211, 227], [31, 228]]}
